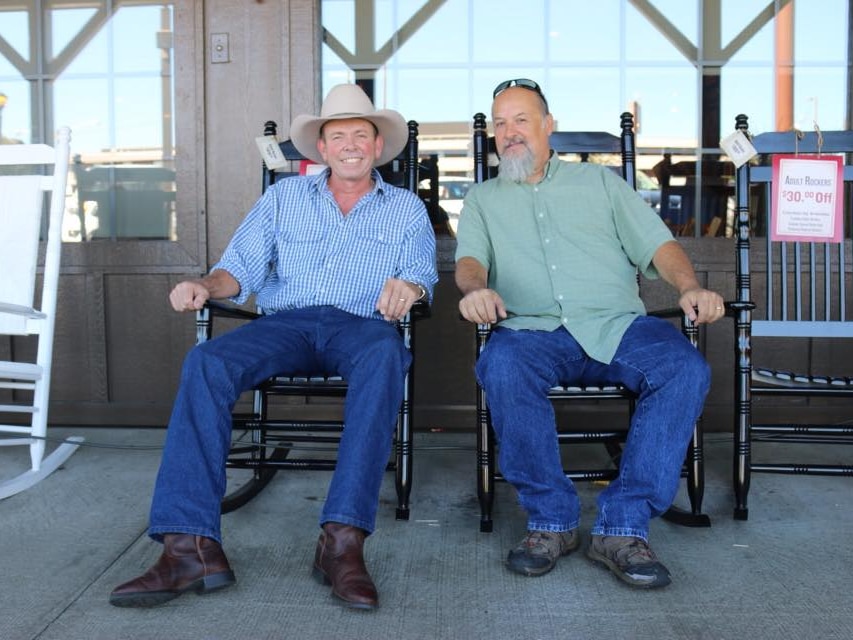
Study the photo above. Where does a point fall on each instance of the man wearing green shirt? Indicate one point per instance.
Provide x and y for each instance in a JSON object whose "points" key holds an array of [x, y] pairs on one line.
{"points": [[549, 252]]}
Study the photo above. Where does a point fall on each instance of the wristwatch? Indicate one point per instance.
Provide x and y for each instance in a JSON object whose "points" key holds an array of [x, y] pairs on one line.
{"points": [[422, 290]]}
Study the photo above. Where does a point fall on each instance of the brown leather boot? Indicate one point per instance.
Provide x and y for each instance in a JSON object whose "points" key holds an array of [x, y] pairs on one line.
{"points": [[188, 563], [339, 561]]}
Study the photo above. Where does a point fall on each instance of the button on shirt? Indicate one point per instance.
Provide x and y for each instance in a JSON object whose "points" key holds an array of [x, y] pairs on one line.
{"points": [[296, 249], [564, 251]]}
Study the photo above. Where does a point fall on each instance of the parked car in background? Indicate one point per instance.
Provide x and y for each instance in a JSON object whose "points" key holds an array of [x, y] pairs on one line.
{"points": [[451, 192], [647, 187]]}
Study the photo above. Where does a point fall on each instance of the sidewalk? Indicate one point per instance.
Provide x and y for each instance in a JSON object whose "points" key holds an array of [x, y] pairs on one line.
{"points": [[68, 541]]}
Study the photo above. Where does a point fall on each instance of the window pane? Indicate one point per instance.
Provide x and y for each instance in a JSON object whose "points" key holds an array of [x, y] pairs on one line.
{"points": [[15, 30], [449, 26], [571, 39], [510, 35], [116, 94], [746, 90], [339, 20], [644, 42], [83, 104], [585, 99], [597, 59], [819, 96], [668, 104], [414, 92], [94, 57], [134, 32], [736, 16], [15, 124], [821, 35]]}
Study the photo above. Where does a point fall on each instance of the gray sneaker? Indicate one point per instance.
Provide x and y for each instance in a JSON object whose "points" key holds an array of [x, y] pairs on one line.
{"points": [[630, 559], [539, 551]]}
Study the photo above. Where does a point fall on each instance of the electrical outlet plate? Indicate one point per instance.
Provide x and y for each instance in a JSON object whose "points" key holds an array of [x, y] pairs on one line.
{"points": [[219, 48]]}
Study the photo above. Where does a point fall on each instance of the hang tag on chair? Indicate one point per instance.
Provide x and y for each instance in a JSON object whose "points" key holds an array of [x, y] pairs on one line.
{"points": [[738, 147], [271, 152]]}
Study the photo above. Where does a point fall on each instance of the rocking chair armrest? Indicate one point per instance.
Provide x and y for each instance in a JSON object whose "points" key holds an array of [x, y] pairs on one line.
{"points": [[420, 309], [225, 310], [671, 312], [211, 309], [735, 307], [20, 310]]}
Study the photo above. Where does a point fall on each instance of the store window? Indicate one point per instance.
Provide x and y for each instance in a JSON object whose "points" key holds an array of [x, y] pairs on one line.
{"points": [[684, 74], [105, 69]]}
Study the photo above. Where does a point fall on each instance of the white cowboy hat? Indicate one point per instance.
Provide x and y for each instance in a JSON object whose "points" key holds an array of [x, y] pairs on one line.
{"points": [[349, 101]]}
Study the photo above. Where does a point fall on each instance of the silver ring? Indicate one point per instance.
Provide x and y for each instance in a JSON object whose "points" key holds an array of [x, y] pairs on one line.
{"points": [[403, 300], [718, 308]]}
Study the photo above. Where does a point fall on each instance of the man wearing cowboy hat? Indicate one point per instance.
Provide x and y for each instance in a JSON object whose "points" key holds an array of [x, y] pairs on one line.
{"points": [[331, 258]]}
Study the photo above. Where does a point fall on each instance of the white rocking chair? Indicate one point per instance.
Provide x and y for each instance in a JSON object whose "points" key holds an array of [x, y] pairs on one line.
{"points": [[24, 385]]}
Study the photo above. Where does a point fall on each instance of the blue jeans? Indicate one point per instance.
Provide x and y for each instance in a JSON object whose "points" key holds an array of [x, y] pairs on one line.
{"points": [[368, 353], [671, 378]]}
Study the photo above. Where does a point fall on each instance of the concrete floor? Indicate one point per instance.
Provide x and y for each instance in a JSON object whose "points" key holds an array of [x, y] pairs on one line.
{"points": [[64, 544]]}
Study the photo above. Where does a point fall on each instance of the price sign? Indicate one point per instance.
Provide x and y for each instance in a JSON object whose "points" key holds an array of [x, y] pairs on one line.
{"points": [[807, 199]]}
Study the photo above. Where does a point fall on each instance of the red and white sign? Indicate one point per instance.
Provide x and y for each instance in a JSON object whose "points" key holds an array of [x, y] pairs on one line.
{"points": [[807, 199]]}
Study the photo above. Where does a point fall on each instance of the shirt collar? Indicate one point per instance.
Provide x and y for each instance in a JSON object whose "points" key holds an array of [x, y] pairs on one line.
{"points": [[320, 181], [551, 166]]}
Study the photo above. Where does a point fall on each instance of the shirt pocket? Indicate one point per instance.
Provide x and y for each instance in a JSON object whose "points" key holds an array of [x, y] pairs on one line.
{"points": [[379, 247], [382, 233], [301, 250]]}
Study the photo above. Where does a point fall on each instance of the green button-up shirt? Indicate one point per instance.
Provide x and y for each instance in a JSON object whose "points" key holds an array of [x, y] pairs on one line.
{"points": [[564, 251]]}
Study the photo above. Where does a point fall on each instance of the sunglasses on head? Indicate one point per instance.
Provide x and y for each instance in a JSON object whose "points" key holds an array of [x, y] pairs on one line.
{"points": [[524, 83]]}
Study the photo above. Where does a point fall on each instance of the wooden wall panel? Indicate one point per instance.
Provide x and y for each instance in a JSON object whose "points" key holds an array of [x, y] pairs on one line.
{"points": [[79, 367], [272, 48], [146, 340]]}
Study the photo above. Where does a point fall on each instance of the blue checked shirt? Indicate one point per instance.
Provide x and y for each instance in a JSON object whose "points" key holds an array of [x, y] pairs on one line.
{"points": [[295, 249]]}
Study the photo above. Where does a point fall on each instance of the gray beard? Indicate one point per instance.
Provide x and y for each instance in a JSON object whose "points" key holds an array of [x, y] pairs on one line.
{"points": [[517, 167]]}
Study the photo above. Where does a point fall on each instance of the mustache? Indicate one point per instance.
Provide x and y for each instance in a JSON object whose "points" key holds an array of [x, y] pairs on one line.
{"points": [[514, 140]]}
